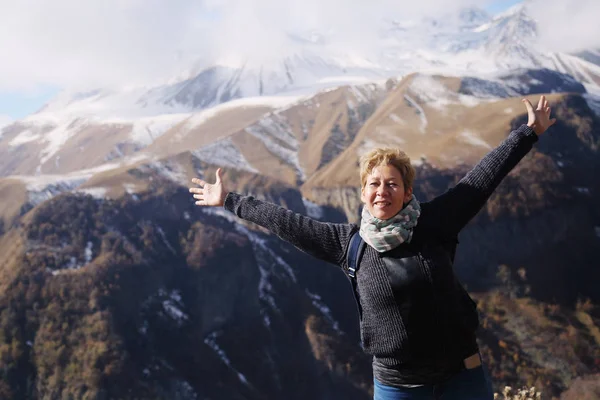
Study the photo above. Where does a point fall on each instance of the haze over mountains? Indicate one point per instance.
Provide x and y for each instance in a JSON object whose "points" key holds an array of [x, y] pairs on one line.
{"points": [[115, 286]]}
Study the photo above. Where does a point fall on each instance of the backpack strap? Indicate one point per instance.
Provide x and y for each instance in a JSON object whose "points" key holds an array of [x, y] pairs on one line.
{"points": [[355, 251]]}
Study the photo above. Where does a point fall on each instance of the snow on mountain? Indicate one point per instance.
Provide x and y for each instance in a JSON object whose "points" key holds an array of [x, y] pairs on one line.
{"points": [[470, 43], [277, 136], [593, 98], [220, 84], [225, 154], [44, 187], [520, 82], [433, 93]]}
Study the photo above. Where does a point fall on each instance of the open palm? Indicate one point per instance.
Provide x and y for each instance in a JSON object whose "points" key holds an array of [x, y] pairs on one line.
{"points": [[539, 119], [209, 194]]}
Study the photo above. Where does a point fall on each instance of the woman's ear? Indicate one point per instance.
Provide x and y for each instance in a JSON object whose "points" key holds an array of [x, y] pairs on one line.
{"points": [[408, 194], [362, 195]]}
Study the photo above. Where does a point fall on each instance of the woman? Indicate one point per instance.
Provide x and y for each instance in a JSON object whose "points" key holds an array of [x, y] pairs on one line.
{"points": [[416, 319]]}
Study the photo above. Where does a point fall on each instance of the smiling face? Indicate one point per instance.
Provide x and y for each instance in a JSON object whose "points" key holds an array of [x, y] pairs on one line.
{"points": [[384, 194]]}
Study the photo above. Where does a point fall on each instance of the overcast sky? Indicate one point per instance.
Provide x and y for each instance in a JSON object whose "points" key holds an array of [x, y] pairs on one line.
{"points": [[50, 45]]}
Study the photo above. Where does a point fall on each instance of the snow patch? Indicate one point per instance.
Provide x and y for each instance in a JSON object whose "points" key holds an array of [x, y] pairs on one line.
{"points": [[199, 118], [593, 101], [279, 139], [472, 138], [397, 119], [436, 95], [146, 130], [24, 137], [73, 263], [370, 144], [172, 306], [44, 187], [313, 210], [167, 169], [418, 162], [129, 188], [88, 252], [325, 311], [482, 28], [164, 239], [211, 341], [185, 390], [419, 110], [96, 192], [224, 153], [57, 137]]}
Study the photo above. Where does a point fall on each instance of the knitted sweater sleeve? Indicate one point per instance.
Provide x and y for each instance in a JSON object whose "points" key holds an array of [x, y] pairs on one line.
{"points": [[326, 241], [460, 204]]}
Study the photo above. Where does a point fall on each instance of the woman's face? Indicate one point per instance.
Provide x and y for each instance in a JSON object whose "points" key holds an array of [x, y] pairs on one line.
{"points": [[384, 194]]}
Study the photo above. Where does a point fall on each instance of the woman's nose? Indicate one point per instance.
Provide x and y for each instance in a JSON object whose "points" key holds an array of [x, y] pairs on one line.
{"points": [[381, 190]]}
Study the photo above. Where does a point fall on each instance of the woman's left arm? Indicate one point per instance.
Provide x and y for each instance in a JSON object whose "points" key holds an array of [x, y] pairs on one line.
{"points": [[461, 203]]}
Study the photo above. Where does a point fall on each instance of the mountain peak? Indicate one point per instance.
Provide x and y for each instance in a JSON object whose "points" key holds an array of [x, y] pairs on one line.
{"points": [[472, 17]]}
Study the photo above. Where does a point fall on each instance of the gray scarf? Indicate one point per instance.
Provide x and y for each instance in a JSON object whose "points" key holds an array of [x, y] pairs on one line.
{"points": [[385, 235]]}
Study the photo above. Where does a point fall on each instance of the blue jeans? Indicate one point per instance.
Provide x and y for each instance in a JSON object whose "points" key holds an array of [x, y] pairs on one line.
{"points": [[469, 384]]}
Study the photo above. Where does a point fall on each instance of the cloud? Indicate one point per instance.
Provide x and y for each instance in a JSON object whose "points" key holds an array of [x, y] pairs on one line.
{"points": [[91, 43], [567, 26], [104, 42], [4, 121], [254, 27], [98, 43]]}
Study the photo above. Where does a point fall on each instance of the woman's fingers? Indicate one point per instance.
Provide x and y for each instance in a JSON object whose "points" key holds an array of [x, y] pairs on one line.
{"points": [[198, 181], [528, 105]]}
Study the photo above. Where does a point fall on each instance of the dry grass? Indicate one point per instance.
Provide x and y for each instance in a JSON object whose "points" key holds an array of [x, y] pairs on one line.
{"points": [[519, 394]]}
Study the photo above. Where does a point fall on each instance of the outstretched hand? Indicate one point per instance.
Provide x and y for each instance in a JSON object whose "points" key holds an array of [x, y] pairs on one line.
{"points": [[539, 119], [209, 194]]}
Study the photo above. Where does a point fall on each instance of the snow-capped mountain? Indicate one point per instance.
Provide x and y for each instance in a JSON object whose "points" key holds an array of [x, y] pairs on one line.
{"points": [[470, 42], [118, 122]]}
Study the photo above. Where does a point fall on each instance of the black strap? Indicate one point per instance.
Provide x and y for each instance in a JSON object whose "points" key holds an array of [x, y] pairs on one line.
{"points": [[355, 250]]}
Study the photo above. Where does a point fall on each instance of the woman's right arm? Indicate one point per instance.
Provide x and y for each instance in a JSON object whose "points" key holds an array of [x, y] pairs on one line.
{"points": [[325, 241]]}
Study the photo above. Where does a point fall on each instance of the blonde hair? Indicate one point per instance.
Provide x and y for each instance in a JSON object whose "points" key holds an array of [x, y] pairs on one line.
{"points": [[387, 156]]}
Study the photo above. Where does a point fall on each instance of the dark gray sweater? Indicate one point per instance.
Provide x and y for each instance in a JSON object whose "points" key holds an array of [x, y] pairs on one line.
{"points": [[413, 312]]}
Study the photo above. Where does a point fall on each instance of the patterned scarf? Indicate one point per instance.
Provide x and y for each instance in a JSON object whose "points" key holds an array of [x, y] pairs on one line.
{"points": [[385, 235]]}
